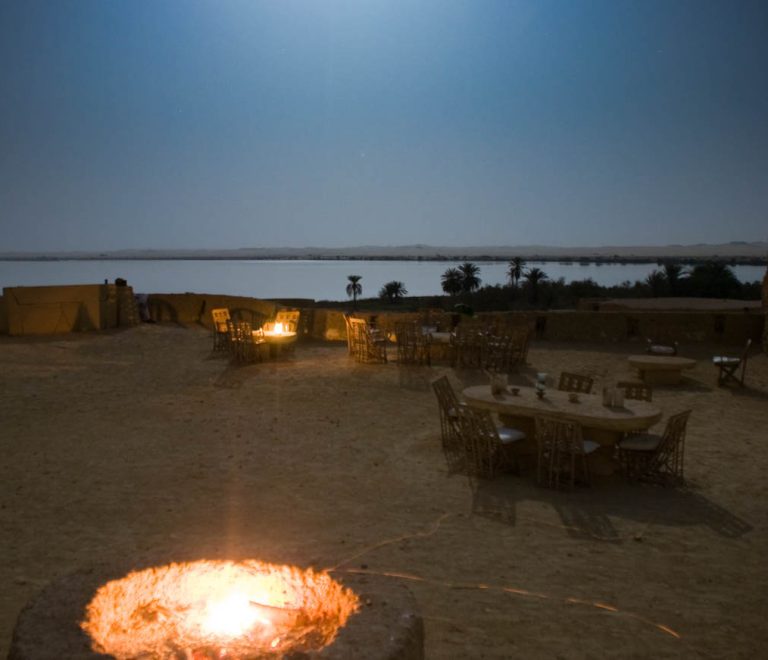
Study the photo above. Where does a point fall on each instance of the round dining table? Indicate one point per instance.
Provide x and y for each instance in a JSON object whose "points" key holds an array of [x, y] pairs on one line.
{"points": [[603, 424]]}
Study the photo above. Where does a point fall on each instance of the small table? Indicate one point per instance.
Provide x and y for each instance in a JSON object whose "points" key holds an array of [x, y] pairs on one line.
{"points": [[603, 424], [660, 369]]}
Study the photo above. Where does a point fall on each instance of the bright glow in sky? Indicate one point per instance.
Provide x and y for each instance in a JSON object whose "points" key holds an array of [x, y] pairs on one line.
{"points": [[225, 124]]}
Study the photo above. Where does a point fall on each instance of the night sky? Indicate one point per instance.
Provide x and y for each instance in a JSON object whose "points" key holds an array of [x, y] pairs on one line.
{"points": [[224, 124]]}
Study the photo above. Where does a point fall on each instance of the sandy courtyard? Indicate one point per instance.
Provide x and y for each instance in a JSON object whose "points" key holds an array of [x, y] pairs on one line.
{"points": [[142, 443]]}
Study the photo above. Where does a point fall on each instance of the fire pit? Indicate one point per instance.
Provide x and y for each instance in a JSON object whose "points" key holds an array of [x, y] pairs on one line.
{"points": [[278, 337], [218, 610], [277, 333]]}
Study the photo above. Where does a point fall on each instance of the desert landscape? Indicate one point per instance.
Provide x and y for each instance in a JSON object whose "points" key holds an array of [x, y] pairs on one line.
{"points": [[142, 443]]}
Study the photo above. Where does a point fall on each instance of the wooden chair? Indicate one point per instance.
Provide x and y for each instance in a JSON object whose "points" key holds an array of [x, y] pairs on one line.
{"points": [[570, 382], [561, 452], [727, 367], [657, 458], [364, 347], [220, 316], [637, 391], [487, 449], [412, 344]]}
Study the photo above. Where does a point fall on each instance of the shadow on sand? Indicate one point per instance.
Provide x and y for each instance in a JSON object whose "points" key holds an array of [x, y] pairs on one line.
{"points": [[588, 513]]}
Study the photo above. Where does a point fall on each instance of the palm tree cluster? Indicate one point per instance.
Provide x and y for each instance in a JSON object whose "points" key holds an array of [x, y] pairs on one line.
{"points": [[463, 279], [530, 287], [393, 291], [712, 279], [705, 280]]}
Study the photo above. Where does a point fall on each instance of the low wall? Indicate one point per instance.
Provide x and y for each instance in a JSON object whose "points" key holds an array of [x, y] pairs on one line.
{"points": [[728, 328], [47, 310], [196, 308], [42, 310]]}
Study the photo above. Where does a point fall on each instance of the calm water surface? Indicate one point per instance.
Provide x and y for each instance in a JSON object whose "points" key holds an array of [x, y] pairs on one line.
{"points": [[321, 280]]}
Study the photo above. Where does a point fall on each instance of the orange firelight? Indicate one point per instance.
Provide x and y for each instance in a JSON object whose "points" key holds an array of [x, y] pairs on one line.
{"points": [[213, 609]]}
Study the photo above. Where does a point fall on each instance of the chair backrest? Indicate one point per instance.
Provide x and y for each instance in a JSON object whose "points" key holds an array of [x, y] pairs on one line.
{"points": [[240, 340], [289, 318], [408, 339], [364, 349], [220, 317], [744, 357], [348, 327], [637, 391], [406, 331], [480, 440], [558, 433], [446, 397], [570, 382], [669, 454]]}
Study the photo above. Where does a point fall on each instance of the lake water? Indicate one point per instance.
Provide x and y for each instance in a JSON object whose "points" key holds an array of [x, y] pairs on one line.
{"points": [[321, 280]]}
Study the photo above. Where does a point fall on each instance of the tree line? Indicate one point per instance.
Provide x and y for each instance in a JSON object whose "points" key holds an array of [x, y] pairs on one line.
{"points": [[531, 288]]}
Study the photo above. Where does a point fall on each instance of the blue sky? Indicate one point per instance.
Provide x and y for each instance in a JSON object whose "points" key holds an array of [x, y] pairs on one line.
{"points": [[225, 124]]}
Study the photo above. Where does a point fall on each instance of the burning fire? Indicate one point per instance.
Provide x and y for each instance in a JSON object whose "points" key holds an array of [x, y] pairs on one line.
{"points": [[217, 609], [278, 329]]}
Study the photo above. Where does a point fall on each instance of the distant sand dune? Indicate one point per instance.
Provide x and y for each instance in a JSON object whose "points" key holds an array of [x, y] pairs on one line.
{"points": [[733, 250]]}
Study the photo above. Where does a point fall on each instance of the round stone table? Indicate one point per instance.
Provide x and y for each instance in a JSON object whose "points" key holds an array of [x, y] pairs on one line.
{"points": [[660, 369]]}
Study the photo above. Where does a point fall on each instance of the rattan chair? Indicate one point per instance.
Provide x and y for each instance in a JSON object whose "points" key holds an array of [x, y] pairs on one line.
{"points": [[562, 452], [412, 344], [220, 316], [468, 344], [497, 352], [657, 458], [365, 348], [487, 449], [521, 340], [245, 347], [450, 431], [570, 382], [348, 326], [637, 391], [728, 366]]}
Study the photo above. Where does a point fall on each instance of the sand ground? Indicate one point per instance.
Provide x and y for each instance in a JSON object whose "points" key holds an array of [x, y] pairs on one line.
{"points": [[143, 443]]}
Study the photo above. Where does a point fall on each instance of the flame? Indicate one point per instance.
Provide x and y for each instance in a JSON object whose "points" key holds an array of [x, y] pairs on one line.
{"points": [[232, 616], [247, 608], [278, 328]]}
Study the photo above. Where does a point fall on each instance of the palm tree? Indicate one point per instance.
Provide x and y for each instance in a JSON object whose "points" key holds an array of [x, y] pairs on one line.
{"points": [[674, 273], [469, 279], [532, 277], [515, 270], [393, 291], [451, 281], [713, 279], [656, 282], [354, 288]]}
